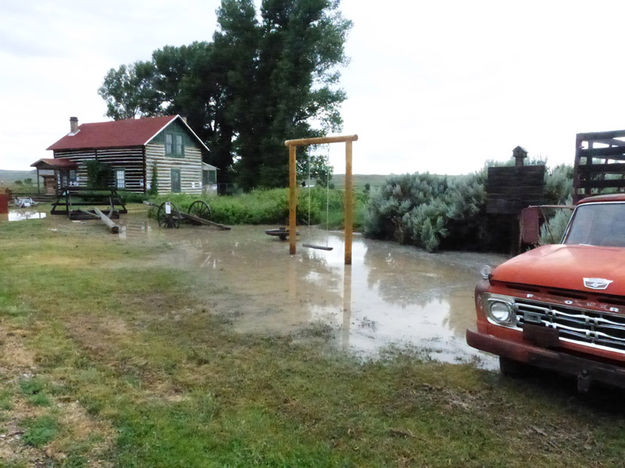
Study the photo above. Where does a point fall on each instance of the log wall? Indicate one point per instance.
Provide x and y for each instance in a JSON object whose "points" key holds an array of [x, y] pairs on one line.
{"points": [[129, 159], [190, 168]]}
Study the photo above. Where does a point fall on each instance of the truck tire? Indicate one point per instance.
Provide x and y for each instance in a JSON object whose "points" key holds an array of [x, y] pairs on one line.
{"points": [[512, 368]]}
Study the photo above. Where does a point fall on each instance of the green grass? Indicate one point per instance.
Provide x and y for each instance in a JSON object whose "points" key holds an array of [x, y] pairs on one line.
{"points": [[272, 206], [33, 389], [39, 431], [160, 381], [5, 400]]}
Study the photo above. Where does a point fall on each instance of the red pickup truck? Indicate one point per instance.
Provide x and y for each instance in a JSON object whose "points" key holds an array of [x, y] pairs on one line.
{"points": [[561, 307]]}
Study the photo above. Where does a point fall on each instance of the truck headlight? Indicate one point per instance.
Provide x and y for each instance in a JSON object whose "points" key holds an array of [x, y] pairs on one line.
{"points": [[500, 310]]}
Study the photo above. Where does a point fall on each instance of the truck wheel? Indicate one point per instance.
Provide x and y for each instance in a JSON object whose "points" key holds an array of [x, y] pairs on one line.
{"points": [[511, 368]]}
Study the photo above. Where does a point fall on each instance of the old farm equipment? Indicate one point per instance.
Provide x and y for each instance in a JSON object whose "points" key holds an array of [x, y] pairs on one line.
{"points": [[169, 216], [73, 202]]}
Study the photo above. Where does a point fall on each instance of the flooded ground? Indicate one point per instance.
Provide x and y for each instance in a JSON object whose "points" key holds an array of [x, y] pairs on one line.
{"points": [[391, 295], [22, 215]]}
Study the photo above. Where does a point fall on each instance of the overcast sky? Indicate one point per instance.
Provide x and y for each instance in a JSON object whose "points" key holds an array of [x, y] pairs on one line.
{"points": [[438, 86]]}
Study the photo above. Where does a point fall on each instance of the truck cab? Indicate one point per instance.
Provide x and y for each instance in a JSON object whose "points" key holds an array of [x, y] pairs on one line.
{"points": [[561, 307]]}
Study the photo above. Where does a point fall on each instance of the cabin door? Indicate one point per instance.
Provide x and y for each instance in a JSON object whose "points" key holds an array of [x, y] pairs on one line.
{"points": [[175, 180]]}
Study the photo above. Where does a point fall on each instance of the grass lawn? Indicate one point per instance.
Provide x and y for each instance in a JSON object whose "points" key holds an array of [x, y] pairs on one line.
{"points": [[107, 359]]}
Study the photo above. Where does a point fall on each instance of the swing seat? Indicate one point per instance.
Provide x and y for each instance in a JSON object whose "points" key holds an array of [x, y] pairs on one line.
{"points": [[318, 247]]}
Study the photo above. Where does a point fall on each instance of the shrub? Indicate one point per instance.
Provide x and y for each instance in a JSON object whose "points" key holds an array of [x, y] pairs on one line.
{"points": [[425, 209], [552, 230], [154, 184], [98, 174]]}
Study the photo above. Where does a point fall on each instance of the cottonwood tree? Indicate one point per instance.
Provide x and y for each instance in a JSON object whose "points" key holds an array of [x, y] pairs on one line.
{"points": [[264, 78]]}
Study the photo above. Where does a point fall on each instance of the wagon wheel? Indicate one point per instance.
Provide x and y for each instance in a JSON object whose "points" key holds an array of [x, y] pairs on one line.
{"points": [[200, 209], [168, 220]]}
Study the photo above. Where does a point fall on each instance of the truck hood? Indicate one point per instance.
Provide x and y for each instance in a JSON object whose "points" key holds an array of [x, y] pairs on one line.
{"points": [[565, 267]]}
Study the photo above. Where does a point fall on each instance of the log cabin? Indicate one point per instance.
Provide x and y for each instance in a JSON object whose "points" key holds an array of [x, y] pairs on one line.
{"points": [[135, 150]]}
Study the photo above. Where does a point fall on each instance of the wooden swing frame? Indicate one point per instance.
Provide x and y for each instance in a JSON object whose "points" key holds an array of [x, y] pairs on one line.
{"points": [[292, 145]]}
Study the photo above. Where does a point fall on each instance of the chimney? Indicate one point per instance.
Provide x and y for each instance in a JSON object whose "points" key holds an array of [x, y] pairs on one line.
{"points": [[519, 154], [73, 125]]}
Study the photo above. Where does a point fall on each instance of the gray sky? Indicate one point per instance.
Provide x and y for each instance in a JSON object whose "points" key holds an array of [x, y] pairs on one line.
{"points": [[438, 86]]}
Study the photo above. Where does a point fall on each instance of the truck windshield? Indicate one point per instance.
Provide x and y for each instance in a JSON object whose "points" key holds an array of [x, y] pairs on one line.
{"points": [[601, 224]]}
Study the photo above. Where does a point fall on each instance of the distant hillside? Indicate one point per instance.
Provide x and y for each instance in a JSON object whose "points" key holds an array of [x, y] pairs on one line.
{"points": [[8, 177], [359, 180]]}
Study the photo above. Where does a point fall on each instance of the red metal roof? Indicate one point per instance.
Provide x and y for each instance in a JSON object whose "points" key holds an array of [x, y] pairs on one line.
{"points": [[116, 133], [61, 163]]}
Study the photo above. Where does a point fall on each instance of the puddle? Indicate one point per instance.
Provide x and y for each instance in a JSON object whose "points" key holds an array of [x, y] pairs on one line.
{"points": [[391, 295], [23, 215]]}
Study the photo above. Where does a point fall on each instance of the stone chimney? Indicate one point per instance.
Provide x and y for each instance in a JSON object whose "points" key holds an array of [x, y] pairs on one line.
{"points": [[73, 125]]}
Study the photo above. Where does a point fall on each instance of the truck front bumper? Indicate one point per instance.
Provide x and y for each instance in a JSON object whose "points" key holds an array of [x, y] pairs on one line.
{"points": [[584, 369]]}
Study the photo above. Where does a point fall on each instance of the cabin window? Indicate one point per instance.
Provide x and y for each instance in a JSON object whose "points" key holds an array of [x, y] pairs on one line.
{"points": [[120, 178], [174, 145], [209, 177], [73, 178]]}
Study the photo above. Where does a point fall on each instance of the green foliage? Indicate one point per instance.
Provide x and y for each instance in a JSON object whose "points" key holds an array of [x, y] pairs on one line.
{"points": [[434, 212], [154, 184], [552, 230], [425, 209], [271, 206], [132, 197], [33, 389], [129, 93], [39, 431], [263, 79], [559, 185], [98, 174]]}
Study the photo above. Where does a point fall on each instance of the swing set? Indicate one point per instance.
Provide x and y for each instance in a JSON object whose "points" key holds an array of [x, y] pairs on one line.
{"points": [[292, 145]]}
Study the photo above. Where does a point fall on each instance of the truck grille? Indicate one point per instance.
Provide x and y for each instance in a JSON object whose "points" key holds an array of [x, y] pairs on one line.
{"points": [[588, 327]]}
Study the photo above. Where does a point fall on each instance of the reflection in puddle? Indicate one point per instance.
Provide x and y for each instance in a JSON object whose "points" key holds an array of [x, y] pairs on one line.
{"points": [[390, 295], [23, 215], [131, 227]]}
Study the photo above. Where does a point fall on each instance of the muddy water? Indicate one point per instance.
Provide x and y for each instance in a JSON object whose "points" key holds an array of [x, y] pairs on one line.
{"points": [[391, 295]]}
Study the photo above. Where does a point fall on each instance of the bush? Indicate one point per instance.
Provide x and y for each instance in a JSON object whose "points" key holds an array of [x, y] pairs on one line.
{"points": [[559, 185], [153, 190], [425, 209], [132, 197], [98, 174], [552, 231]]}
